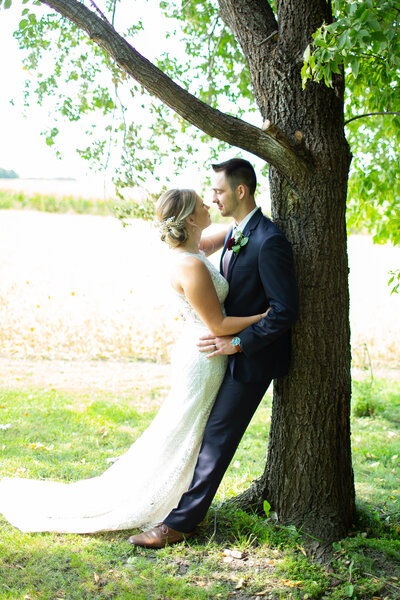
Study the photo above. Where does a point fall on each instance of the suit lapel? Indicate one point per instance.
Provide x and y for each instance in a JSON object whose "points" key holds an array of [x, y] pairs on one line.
{"points": [[250, 226]]}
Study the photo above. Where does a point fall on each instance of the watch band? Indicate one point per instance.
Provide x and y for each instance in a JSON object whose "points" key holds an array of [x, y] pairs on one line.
{"points": [[236, 344]]}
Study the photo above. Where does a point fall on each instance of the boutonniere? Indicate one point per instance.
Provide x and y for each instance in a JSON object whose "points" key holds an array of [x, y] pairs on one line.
{"points": [[237, 241]]}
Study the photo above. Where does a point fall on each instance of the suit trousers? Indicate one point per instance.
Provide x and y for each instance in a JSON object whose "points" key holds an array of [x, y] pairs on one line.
{"points": [[233, 409]]}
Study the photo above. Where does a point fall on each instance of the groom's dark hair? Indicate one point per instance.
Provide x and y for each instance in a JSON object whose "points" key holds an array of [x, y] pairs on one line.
{"points": [[238, 171]]}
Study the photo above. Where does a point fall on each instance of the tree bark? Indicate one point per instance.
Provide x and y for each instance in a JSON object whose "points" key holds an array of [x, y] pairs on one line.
{"points": [[308, 479]]}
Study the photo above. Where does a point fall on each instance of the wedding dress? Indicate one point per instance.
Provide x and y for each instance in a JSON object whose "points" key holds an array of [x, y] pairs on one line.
{"points": [[147, 482]]}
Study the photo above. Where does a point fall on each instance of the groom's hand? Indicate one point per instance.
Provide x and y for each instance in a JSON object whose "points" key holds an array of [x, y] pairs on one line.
{"points": [[216, 345]]}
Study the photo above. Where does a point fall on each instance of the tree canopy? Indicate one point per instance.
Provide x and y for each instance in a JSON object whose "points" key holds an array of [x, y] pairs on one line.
{"points": [[365, 41], [8, 174], [199, 52]]}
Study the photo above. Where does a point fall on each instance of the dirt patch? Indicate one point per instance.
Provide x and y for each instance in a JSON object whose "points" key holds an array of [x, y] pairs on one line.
{"points": [[116, 377]]}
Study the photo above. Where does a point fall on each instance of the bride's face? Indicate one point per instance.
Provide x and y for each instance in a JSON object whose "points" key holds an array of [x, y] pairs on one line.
{"points": [[201, 215]]}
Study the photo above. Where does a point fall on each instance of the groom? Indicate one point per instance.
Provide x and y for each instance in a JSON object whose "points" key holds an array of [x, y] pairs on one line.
{"points": [[260, 273]]}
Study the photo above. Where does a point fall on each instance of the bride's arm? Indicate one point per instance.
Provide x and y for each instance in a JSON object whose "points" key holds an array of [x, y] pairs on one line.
{"points": [[194, 281], [215, 241]]}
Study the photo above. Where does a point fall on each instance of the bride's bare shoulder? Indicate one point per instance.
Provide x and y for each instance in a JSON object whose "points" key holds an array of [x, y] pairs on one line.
{"points": [[187, 267]]}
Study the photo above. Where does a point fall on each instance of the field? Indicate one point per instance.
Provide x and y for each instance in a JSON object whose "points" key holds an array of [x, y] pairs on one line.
{"points": [[87, 322], [83, 287]]}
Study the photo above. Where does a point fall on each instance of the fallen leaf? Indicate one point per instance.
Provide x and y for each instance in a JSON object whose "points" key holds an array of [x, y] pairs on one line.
{"points": [[301, 550], [227, 559], [240, 584], [40, 446], [289, 583], [234, 553]]}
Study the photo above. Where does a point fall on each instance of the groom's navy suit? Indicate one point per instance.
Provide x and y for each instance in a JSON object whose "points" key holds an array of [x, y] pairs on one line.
{"points": [[260, 275]]}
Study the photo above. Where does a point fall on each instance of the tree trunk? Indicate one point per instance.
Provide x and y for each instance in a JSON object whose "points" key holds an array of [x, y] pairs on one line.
{"points": [[308, 479]]}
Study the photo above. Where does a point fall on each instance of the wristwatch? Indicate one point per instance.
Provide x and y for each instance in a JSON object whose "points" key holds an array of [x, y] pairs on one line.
{"points": [[236, 344]]}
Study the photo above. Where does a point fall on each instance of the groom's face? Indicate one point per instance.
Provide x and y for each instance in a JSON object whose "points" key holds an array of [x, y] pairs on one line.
{"points": [[223, 196]]}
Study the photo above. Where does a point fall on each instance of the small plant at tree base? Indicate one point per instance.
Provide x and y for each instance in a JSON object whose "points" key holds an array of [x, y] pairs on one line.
{"points": [[366, 400]]}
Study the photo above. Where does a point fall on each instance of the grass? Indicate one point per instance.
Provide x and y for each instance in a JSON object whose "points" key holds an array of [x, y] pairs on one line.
{"points": [[66, 436]]}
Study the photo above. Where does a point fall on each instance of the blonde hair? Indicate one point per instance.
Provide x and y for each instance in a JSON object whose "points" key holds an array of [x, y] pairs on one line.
{"points": [[172, 209]]}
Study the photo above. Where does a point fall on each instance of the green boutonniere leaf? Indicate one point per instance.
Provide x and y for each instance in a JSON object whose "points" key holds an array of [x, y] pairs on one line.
{"points": [[237, 242]]}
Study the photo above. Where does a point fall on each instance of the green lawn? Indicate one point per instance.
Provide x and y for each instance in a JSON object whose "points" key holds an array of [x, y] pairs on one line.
{"points": [[70, 436]]}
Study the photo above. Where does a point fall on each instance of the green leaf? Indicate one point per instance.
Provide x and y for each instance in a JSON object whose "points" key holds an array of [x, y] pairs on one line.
{"points": [[343, 40], [266, 507], [305, 75], [379, 36], [7, 3], [355, 67]]}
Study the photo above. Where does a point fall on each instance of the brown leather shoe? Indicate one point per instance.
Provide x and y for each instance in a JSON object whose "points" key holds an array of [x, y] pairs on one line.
{"points": [[158, 537]]}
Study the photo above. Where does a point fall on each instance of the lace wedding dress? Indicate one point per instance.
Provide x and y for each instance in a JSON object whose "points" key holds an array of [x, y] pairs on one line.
{"points": [[145, 483]]}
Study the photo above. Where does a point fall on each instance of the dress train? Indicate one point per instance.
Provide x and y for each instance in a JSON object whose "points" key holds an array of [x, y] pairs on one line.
{"points": [[147, 482]]}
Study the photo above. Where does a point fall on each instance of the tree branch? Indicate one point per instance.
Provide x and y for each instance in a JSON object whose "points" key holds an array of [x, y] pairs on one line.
{"points": [[284, 155], [271, 35], [369, 115]]}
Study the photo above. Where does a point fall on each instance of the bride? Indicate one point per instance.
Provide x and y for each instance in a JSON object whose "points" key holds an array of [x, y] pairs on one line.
{"points": [[147, 482]]}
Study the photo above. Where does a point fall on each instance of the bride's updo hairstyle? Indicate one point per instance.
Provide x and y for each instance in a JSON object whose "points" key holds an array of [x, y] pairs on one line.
{"points": [[172, 209]]}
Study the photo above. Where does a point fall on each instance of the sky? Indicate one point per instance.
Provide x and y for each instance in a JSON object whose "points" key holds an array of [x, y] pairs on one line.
{"points": [[23, 148]]}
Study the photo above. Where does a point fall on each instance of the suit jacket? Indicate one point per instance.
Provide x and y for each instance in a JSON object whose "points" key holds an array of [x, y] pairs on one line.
{"points": [[262, 275]]}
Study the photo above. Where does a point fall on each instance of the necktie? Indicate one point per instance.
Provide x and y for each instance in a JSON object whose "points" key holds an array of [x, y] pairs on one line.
{"points": [[225, 262], [227, 257]]}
